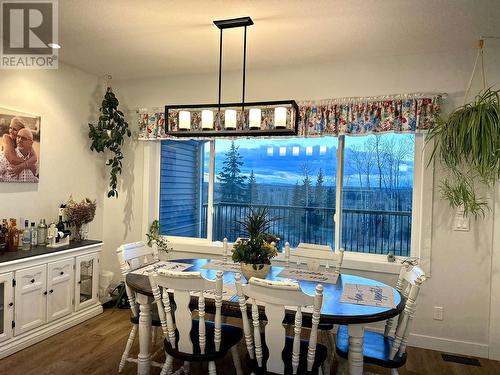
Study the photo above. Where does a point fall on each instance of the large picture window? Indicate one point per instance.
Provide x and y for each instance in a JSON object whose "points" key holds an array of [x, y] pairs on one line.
{"points": [[296, 178]]}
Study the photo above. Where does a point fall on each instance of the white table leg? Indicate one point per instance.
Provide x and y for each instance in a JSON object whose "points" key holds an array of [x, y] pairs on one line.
{"points": [[355, 349], [144, 357]]}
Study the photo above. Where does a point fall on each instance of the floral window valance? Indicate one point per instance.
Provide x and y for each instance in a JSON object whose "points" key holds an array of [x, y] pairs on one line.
{"points": [[355, 116]]}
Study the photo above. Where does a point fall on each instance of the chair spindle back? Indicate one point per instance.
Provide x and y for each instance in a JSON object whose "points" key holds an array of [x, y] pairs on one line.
{"points": [[132, 256], [182, 284], [275, 295]]}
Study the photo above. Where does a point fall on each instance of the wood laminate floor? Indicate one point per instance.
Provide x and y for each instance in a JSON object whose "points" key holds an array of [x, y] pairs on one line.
{"points": [[95, 347]]}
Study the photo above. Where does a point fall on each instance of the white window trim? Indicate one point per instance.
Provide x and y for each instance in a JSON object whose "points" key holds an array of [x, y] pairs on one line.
{"points": [[421, 211]]}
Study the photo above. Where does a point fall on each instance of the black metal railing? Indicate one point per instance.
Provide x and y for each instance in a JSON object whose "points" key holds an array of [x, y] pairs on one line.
{"points": [[366, 231]]}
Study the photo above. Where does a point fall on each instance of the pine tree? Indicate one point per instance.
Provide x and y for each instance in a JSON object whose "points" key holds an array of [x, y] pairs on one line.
{"points": [[296, 198], [319, 191], [330, 197], [252, 188], [306, 194], [232, 183]]}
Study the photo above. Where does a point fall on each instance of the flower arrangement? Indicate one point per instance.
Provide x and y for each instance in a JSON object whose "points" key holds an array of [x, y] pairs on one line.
{"points": [[260, 246], [78, 214], [154, 235]]}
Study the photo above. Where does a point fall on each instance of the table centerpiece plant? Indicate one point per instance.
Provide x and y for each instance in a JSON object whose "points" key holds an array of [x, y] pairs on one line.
{"points": [[79, 214], [255, 252]]}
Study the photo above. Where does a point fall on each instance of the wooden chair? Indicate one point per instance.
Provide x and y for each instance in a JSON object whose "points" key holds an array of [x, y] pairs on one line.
{"points": [[132, 256], [382, 349], [273, 352], [312, 254], [193, 340]]}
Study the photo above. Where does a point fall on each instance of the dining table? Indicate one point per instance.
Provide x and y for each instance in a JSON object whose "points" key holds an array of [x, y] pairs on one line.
{"points": [[333, 311]]}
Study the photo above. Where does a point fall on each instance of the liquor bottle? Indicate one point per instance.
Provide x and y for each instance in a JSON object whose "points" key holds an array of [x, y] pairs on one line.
{"points": [[33, 235], [13, 235], [3, 236], [26, 236], [60, 224], [42, 233]]}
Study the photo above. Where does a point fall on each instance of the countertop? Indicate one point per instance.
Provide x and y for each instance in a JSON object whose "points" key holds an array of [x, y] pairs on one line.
{"points": [[9, 256]]}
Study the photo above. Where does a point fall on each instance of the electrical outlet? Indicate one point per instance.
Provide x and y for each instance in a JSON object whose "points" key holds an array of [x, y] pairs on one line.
{"points": [[438, 313]]}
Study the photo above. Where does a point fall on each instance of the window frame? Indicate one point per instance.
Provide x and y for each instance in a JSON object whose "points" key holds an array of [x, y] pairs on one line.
{"points": [[421, 229]]}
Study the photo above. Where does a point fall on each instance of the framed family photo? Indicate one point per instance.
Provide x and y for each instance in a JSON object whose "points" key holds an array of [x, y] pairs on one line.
{"points": [[19, 146]]}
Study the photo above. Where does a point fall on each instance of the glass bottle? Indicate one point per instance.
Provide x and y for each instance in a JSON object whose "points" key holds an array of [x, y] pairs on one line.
{"points": [[13, 235], [26, 236], [33, 235], [60, 224], [42, 233], [3, 236]]}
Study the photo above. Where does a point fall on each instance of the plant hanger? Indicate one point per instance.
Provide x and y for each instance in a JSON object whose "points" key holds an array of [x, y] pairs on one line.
{"points": [[468, 145]]}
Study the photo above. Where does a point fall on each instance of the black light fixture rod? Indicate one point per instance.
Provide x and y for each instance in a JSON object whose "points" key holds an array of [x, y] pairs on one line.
{"points": [[220, 66], [244, 67]]}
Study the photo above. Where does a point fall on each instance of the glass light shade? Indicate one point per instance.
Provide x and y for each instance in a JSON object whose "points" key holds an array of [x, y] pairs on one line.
{"points": [[280, 117], [230, 119], [255, 118], [207, 119], [184, 120]]}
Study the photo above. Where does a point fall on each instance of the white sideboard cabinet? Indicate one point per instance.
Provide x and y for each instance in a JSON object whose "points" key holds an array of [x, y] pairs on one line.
{"points": [[44, 291]]}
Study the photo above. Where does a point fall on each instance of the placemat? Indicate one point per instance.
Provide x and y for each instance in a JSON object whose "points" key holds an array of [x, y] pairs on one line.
{"points": [[369, 295], [219, 265], [171, 266], [316, 276]]}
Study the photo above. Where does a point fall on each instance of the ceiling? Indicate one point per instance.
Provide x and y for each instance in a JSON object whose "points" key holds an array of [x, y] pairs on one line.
{"points": [[136, 39]]}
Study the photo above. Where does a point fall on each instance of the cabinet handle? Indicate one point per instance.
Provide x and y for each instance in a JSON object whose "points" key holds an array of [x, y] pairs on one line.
{"points": [[62, 273], [32, 281], [11, 304], [51, 291], [45, 293]]}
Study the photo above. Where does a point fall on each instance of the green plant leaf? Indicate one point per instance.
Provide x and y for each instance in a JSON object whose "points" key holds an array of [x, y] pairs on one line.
{"points": [[113, 121]]}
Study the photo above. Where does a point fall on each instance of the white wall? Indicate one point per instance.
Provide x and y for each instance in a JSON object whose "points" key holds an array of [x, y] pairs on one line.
{"points": [[66, 99], [461, 261]]}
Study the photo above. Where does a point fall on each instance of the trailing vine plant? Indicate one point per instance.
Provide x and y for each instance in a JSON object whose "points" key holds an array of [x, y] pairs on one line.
{"points": [[467, 143], [109, 134]]}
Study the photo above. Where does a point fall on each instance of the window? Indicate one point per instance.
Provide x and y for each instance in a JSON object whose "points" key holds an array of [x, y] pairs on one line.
{"points": [[296, 178], [377, 193], [184, 188]]}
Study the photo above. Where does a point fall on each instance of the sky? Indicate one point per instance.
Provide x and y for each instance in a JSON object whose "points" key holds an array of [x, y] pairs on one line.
{"points": [[282, 160]]}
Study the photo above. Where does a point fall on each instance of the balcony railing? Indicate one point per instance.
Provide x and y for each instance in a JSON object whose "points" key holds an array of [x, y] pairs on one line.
{"points": [[366, 231]]}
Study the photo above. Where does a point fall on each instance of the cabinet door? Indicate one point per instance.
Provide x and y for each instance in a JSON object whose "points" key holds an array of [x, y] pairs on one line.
{"points": [[60, 288], [87, 280], [31, 298], [6, 306]]}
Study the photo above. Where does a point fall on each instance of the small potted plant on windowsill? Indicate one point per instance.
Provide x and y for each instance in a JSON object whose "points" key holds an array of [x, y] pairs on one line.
{"points": [[255, 252]]}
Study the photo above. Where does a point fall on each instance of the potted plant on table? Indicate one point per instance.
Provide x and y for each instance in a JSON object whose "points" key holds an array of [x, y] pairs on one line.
{"points": [[255, 252]]}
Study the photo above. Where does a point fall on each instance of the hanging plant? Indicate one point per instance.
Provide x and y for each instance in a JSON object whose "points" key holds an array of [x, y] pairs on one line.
{"points": [[467, 143], [109, 134]]}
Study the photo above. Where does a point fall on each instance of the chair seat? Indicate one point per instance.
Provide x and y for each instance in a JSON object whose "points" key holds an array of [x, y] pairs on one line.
{"points": [[376, 348], [230, 336], [320, 357]]}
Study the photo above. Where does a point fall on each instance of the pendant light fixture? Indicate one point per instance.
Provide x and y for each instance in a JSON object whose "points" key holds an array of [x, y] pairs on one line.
{"points": [[269, 118]]}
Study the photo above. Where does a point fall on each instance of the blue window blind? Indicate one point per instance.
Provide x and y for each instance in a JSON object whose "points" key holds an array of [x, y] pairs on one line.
{"points": [[182, 196]]}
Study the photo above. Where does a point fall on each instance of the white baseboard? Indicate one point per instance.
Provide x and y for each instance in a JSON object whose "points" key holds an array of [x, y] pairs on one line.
{"points": [[29, 338], [440, 344], [468, 348]]}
